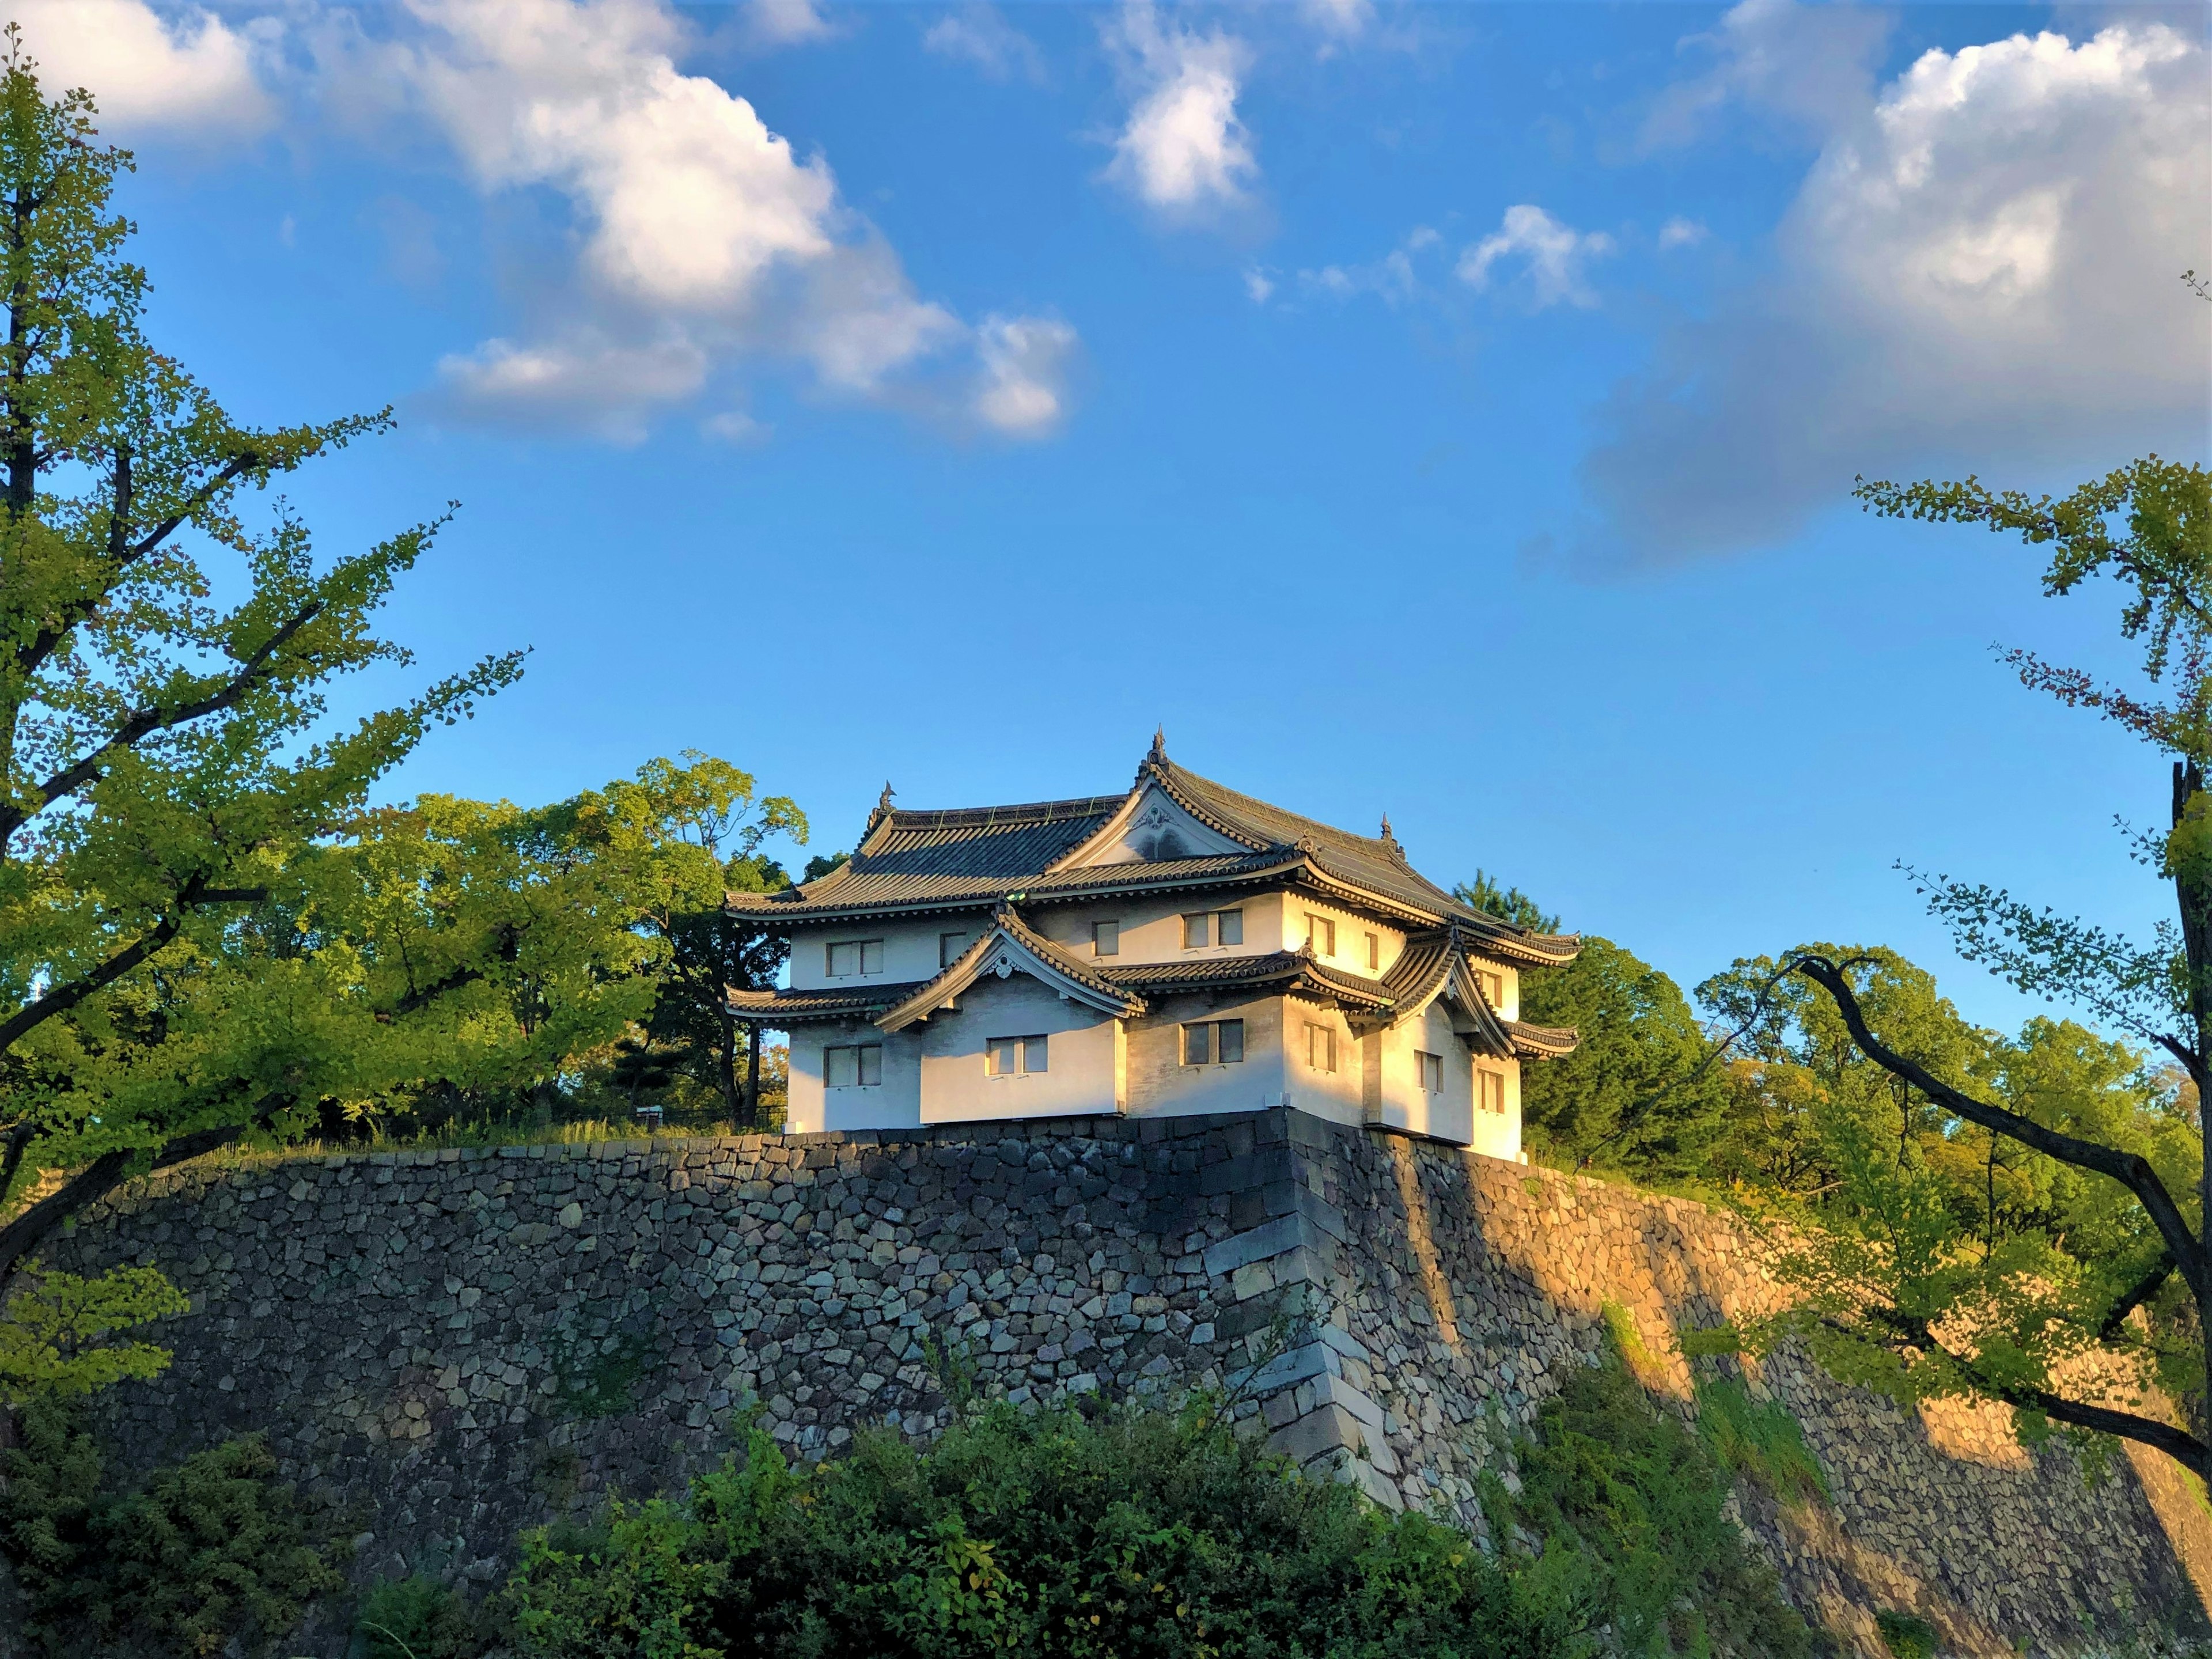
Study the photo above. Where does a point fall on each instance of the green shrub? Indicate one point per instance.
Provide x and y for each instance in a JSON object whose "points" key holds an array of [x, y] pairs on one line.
{"points": [[1047, 1532], [213, 1549], [1759, 1440], [415, 1617], [1630, 1506], [1907, 1638]]}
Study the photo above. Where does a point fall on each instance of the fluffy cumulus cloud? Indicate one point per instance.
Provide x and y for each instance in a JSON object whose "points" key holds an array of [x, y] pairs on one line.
{"points": [[181, 71], [1184, 150], [981, 35], [705, 238], [1551, 258], [1978, 272]]}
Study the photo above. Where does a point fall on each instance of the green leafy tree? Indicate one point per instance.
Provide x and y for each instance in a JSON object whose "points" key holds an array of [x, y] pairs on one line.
{"points": [[164, 670], [675, 840], [1506, 903], [1917, 1305], [1639, 1094]]}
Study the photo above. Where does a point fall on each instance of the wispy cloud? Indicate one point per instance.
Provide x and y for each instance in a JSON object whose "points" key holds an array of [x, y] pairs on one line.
{"points": [[1184, 150], [1810, 66], [981, 35], [1553, 256], [1679, 232]]}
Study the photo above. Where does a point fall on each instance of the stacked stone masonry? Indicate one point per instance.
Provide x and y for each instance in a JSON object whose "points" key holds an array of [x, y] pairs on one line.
{"points": [[450, 1345]]}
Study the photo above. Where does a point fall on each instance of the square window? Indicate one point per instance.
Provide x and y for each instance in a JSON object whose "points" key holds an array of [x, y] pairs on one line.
{"points": [[1033, 1054], [852, 1067], [1432, 1072], [1491, 1091], [1105, 939], [1197, 931], [1374, 953], [1229, 1042], [1321, 1047], [1228, 926], [1320, 933], [949, 947], [1494, 987], [1002, 1056], [1198, 1045], [1214, 1042], [858, 956]]}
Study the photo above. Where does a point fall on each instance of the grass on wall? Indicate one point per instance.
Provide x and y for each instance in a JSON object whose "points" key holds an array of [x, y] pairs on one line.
{"points": [[1759, 1440]]}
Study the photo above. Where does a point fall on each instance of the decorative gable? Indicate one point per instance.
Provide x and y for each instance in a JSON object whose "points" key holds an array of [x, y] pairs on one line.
{"points": [[1153, 829]]}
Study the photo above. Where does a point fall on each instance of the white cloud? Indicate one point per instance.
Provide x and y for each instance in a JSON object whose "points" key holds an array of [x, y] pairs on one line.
{"points": [[1023, 390], [1392, 278], [1813, 66], [1184, 150], [581, 381], [734, 426], [1554, 255], [981, 35], [1977, 273], [1340, 20], [1679, 232], [769, 24], [1259, 284], [181, 72], [706, 241]]}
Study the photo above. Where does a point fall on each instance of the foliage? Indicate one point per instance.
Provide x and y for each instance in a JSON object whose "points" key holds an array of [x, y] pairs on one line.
{"points": [[1635, 1502], [212, 1550], [1897, 1225], [415, 1617], [820, 865], [2065, 1328], [165, 668], [1045, 1532], [1905, 1636], [1631, 1097], [1506, 903], [1759, 1440], [53, 1338]]}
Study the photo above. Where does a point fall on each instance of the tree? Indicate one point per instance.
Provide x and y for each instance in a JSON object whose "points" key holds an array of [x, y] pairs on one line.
{"points": [[1908, 1303], [1506, 903], [1637, 1093], [167, 769], [675, 839]]}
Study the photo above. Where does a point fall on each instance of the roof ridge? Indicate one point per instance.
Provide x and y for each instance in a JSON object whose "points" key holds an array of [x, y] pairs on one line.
{"points": [[1035, 811]]}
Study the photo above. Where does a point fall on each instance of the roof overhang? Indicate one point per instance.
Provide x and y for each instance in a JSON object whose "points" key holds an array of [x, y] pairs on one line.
{"points": [[1007, 948]]}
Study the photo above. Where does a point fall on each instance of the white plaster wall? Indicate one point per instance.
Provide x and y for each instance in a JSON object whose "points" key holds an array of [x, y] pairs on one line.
{"points": [[895, 1103], [1498, 1136], [1086, 1073], [1335, 1095], [1351, 932], [909, 949], [1511, 1008], [1161, 1085], [1152, 928], [1135, 838], [1405, 1104]]}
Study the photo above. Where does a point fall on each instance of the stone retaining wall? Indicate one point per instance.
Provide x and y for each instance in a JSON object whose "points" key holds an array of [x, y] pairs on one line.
{"points": [[451, 1345]]}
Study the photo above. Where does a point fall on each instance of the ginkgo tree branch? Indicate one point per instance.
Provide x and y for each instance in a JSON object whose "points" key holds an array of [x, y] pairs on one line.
{"points": [[2137, 1293], [59, 1000], [2131, 1169], [143, 722], [125, 553]]}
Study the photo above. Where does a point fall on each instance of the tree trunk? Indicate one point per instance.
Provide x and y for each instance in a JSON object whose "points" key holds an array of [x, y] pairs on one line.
{"points": [[2193, 898], [752, 1074], [725, 1064]]}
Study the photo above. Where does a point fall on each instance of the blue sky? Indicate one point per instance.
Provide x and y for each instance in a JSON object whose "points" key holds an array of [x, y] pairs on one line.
{"points": [[1448, 410]]}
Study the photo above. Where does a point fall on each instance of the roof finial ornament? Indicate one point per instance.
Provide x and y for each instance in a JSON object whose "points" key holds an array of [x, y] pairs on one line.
{"points": [[884, 800], [1389, 840], [1159, 754]]}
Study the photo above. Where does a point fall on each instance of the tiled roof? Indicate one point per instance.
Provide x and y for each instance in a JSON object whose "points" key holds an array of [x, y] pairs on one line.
{"points": [[798, 1006], [1542, 1041], [1297, 968], [976, 856]]}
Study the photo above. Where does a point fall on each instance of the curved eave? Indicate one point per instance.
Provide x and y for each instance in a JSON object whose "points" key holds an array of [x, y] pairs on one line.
{"points": [[781, 1010], [1542, 1041]]}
